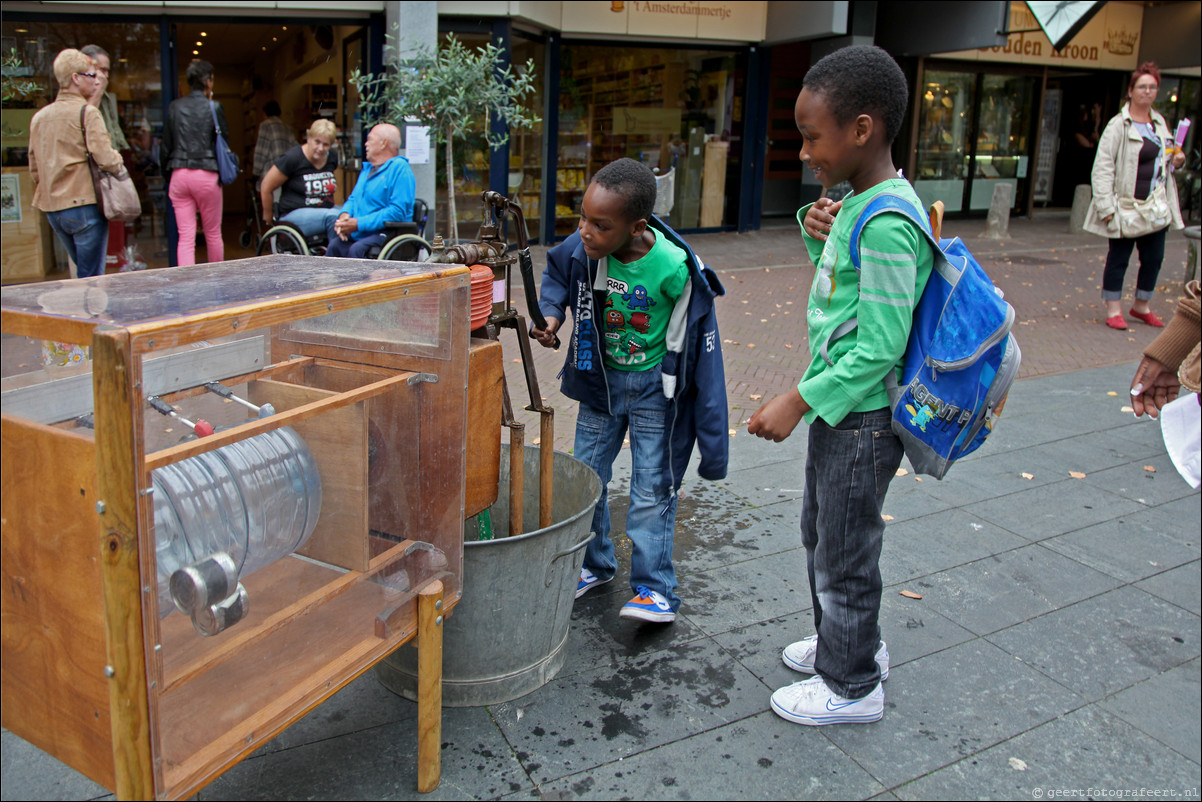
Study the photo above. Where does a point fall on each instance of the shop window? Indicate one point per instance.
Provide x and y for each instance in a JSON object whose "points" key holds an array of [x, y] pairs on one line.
{"points": [[945, 121], [669, 108], [29, 250]]}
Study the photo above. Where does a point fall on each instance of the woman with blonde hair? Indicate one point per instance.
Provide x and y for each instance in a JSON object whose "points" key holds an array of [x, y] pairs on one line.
{"points": [[61, 136], [306, 174]]}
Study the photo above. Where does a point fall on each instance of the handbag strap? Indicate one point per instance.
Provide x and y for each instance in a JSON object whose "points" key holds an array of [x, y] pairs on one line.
{"points": [[83, 126], [216, 127]]}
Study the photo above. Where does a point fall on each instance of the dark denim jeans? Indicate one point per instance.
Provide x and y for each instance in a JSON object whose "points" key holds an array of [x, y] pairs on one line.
{"points": [[848, 470], [637, 403], [356, 248], [84, 232], [1151, 256]]}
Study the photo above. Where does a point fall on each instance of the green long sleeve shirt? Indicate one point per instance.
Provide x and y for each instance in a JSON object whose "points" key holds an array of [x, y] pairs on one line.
{"points": [[895, 262]]}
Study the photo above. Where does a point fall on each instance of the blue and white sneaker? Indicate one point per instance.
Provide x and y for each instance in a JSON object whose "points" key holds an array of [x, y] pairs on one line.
{"points": [[648, 606], [799, 656], [588, 581], [812, 703]]}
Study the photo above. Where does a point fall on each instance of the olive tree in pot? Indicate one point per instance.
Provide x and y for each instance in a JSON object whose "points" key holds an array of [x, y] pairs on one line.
{"points": [[455, 91]]}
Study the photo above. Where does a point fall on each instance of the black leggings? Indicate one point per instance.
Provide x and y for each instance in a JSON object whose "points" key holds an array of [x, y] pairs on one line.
{"points": [[1151, 255]]}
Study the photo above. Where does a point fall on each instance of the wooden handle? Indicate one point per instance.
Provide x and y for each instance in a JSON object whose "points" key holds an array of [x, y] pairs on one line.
{"points": [[546, 446], [937, 219], [429, 686]]}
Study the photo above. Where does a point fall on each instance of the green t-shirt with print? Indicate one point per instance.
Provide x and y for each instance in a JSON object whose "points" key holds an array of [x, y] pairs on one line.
{"points": [[639, 300]]}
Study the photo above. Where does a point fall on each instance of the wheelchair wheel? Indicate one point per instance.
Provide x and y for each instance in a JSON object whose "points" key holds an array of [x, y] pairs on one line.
{"points": [[405, 248], [283, 238]]}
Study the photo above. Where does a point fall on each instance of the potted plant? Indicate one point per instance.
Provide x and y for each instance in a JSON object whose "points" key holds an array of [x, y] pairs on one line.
{"points": [[455, 91]]}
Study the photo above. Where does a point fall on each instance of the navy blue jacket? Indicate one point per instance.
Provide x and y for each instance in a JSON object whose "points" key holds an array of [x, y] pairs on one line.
{"points": [[693, 373]]}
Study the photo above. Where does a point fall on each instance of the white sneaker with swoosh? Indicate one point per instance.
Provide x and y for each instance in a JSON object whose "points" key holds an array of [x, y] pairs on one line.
{"points": [[812, 703]]}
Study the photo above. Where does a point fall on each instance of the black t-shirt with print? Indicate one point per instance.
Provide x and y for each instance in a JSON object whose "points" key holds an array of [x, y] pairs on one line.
{"points": [[307, 186]]}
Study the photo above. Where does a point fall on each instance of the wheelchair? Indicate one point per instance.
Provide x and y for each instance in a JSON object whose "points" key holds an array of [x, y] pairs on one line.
{"points": [[405, 241]]}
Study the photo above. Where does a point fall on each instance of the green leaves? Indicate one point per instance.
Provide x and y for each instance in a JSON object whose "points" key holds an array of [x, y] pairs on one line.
{"points": [[454, 90]]}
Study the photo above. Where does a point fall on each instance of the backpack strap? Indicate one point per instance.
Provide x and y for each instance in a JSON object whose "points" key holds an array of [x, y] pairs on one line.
{"points": [[884, 203]]}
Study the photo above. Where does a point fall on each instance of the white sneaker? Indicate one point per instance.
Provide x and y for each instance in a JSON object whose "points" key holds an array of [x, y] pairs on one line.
{"points": [[812, 703], [800, 656]]}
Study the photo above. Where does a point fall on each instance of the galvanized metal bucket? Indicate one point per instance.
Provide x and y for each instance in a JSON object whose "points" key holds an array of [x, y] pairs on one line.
{"points": [[507, 636]]}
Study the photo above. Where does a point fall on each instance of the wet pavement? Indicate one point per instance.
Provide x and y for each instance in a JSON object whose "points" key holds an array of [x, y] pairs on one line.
{"points": [[1047, 643]]}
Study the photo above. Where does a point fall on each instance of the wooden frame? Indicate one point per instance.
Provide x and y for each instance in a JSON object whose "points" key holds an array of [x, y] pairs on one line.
{"points": [[144, 705]]}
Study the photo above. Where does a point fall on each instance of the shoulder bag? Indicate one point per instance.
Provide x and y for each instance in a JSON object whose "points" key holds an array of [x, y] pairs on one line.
{"points": [[227, 160], [1139, 217], [115, 194]]}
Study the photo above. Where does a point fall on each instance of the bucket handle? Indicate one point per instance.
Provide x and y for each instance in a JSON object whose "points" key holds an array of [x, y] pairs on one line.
{"points": [[573, 550]]}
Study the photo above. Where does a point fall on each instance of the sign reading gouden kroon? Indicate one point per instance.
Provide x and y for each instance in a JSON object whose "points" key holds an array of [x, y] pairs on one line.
{"points": [[691, 19], [1109, 41]]}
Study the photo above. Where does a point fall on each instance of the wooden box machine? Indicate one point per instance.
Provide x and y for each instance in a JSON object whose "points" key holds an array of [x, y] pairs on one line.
{"points": [[172, 601]]}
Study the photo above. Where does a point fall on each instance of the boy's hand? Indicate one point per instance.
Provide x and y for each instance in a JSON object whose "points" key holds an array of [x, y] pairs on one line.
{"points": [[821, 217], [777, 419], [546, 337]]}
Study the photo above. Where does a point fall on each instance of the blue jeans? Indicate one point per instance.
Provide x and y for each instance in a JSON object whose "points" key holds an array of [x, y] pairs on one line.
{"points": [[314, 221], [848, 470], [84, 232], [637, 404], [356, 248]]}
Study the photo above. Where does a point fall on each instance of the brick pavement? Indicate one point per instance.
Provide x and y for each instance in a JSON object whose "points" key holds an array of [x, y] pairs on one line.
{"points": [[1052, 278]]}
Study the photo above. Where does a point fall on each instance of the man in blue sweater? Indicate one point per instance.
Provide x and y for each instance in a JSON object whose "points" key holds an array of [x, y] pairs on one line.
{"points": [[384, 193]]}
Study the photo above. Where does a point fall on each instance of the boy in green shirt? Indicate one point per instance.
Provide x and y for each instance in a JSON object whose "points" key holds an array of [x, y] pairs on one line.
{"points": [[850, 109]]}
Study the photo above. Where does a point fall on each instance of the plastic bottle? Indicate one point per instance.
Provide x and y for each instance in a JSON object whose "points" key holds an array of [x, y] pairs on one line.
{"points": [[256, 500]]}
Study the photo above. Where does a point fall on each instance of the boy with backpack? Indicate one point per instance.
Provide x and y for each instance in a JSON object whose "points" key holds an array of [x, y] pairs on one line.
{"points": [[643, 357], [850, 109]]}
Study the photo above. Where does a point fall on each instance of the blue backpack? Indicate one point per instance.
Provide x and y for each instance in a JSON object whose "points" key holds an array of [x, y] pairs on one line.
{"points": [[961, 358]]}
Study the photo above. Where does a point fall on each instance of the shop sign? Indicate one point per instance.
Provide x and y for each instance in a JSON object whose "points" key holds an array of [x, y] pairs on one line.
{"points": [[690, 19], [1109, 41]]}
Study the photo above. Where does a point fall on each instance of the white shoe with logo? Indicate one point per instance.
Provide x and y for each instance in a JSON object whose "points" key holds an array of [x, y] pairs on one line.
{"points": [[799, 656], [812, 703]]}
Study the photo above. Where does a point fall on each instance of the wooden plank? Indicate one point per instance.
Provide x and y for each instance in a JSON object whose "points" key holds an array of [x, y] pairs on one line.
{"points": [[255, 426], [429, 687], [69, 397], [28, 247], [53, 692], [338, 440], [117, 468], [486, 378], [713, 184]]}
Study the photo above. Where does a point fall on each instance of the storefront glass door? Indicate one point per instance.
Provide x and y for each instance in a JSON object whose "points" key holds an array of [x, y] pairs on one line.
{"points": [[975, 132], [1003, 139], [945, 124]]}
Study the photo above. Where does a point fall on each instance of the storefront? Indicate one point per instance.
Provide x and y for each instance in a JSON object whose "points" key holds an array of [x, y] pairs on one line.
{"points": [[1021, 114], [300, 63]]}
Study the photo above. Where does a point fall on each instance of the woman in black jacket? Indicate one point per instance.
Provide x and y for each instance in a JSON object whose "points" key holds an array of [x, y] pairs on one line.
{"points": [[190, 142]]}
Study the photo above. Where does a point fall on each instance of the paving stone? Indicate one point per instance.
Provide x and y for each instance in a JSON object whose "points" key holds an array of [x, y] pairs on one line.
{"points": [[1129, 548], [947, 706], [381, 763], [577, 723], [1181, 586], [1133, 480], [933, 543], [1166, 707], [761, 757], [1104, 644], [999, 591], [1085, 749], [743, 593], [1053, 509], [30, 773]]}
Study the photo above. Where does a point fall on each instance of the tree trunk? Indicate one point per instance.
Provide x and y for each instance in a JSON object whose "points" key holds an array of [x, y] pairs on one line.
{"points": [[452, 213]]}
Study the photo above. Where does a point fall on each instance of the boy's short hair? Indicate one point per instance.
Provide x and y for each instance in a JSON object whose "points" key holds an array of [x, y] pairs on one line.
{"points": [[861, 79], [634, 181]]}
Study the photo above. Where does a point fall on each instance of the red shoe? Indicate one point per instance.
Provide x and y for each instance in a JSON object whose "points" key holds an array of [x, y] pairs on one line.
{"points": [[1117, 322], [1148, 317]]}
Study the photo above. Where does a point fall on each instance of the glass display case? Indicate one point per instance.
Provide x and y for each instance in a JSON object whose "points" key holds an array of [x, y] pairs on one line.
{"points": [[228, 490]]}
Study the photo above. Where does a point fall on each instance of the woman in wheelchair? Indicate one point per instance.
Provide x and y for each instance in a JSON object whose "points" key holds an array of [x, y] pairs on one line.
{"points": [[306, 211]]}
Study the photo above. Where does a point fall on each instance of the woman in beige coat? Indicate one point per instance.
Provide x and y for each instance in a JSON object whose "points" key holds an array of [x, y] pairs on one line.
{"points": [[1134, 196], [58, 162]]}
